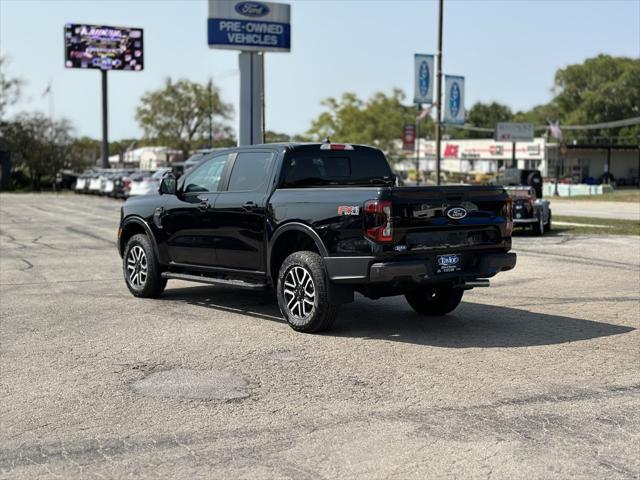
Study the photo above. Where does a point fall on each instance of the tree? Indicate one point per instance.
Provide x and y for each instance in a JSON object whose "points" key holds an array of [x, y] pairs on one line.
{"points": [[39, 145], [275, 137], [484, 115], [601, 89], [183, 114], [377, 121], [83, 153], [9, 88]]}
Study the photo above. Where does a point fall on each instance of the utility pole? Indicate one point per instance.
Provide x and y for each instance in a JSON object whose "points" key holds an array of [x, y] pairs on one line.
{"points": [[439, 99]]}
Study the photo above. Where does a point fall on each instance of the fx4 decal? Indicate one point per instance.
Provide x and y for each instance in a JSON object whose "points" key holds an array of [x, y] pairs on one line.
{"points": [[349, 210]]}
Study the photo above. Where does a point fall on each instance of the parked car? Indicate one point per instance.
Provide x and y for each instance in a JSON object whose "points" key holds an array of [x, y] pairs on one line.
{"points": [[106, 183], [81, 182], [147, 182], [95, 183], [122, 184], [66, 179], [317, 222], [528, 210]]}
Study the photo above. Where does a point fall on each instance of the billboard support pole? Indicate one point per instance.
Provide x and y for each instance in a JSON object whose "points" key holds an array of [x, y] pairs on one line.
{"points": [[439, 100], [104, 150], [251, 98]]}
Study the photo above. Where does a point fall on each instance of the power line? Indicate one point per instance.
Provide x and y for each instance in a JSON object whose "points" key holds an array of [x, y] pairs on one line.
{"points": [[594, 126]]}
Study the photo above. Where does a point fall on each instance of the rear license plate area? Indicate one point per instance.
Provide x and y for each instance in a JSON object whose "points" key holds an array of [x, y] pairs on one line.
{"points": [[448, 263]]}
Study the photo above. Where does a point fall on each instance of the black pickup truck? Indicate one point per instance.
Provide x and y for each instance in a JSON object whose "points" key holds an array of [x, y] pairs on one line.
{"points": [[316, 222]]}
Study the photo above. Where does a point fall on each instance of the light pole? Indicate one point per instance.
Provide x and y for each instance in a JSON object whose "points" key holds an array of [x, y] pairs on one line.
{"points": [[439, 99]]}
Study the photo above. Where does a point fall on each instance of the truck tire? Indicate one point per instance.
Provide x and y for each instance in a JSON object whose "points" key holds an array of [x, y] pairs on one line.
{"points": [[547, 226], [538, 227], [141, 269], [438, 300], [303, 295]]}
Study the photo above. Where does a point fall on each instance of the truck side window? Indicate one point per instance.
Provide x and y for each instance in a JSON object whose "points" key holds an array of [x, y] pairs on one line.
{"points": [[250, 171], [206, 177]]}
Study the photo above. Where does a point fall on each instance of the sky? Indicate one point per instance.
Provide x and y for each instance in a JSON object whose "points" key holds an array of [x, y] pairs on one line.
{"points": [[508, 50]]}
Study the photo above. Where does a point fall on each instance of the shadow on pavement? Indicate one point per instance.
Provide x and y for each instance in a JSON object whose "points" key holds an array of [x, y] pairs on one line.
{"points": [[470, 325]]}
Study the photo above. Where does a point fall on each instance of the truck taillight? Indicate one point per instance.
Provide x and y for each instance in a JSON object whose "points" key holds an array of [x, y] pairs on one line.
{"points": [[378, 222], [336, 146], [509, 214]]}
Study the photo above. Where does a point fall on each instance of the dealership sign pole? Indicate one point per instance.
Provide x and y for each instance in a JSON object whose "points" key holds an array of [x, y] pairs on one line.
{"points": [[253, 28], [104, 48]]}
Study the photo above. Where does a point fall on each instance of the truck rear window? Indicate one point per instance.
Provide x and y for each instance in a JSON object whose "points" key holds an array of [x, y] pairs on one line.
{"points": [[323, 168]]}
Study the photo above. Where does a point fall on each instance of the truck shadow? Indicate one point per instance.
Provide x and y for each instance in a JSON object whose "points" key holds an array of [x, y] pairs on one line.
{"points": [[471, 325]]}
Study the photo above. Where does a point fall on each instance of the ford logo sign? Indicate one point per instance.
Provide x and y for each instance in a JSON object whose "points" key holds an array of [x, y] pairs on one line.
{"points": [[454, 99], [456, 213], [423, 77], [252, 9]]}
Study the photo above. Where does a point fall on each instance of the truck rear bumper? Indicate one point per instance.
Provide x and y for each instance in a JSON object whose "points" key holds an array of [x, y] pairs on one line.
{"points": [[359, 270]]}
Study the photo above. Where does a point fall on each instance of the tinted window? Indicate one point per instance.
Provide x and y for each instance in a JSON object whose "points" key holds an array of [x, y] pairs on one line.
{"points": [[365, 167], [250, 171], [206, 177]]}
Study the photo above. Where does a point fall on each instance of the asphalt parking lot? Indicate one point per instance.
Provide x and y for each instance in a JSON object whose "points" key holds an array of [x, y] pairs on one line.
{"points": [[537, 377]]}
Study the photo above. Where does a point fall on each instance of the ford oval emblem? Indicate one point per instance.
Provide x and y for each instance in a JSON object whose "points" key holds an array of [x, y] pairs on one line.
{"points": [[423, 77], [456, 213], [252, 9], [454, 99]]}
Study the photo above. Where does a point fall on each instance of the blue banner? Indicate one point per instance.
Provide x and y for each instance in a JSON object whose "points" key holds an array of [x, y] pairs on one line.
{"points": [[248, 34]]}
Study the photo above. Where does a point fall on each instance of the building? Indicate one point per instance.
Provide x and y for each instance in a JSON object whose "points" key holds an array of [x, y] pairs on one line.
{"points": [[587, 163], [579, 163], [481, 155], [146, 158]]}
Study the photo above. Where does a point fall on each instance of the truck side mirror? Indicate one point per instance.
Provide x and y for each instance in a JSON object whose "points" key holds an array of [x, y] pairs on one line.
{"points": [[168, 185]]}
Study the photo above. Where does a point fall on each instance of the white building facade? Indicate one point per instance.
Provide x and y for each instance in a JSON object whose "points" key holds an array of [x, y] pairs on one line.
{"points": [[482, 155]]}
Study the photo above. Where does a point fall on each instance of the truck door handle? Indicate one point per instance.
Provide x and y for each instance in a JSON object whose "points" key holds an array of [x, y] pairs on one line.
{"points": [[204, 206], [249, 206]]}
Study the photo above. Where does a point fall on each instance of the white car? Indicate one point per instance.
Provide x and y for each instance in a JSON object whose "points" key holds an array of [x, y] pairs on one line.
{"points": [[145, 184], [95, 182], [81, 181]]}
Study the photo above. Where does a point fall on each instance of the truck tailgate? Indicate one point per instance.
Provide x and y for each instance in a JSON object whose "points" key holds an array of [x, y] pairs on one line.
{"points": [[449, 217]]}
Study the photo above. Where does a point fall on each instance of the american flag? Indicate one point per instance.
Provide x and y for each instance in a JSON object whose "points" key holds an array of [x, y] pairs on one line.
{"points": [[554, 130], [424, 113], [47, 91]]}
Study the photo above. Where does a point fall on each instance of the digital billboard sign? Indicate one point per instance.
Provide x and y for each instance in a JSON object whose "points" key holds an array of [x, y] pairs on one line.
{"points": [[103, 47]]}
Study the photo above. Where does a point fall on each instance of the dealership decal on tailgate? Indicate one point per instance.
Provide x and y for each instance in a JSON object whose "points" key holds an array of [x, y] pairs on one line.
{"points": [[448, 263]]}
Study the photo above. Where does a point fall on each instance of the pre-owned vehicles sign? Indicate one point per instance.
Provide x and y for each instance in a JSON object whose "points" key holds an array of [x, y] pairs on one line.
{"points": [[250, 26]]}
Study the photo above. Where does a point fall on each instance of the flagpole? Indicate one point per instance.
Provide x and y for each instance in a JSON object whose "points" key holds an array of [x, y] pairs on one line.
{"points": [[51, 101]]}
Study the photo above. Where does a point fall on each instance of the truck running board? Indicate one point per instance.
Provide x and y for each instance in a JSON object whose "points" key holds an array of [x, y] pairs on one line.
{"points": [[215, 281]]}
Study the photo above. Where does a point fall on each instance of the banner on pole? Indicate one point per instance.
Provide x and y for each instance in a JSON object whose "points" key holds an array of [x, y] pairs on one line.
{"points": [[423, 78], [409, 138], [453, 100]]}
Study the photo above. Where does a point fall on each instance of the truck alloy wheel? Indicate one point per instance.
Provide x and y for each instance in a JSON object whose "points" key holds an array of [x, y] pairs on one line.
{"points": [[137, 267], [302, 292], [140, 268], [299, 292]]}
